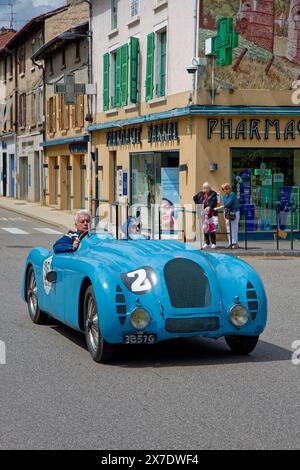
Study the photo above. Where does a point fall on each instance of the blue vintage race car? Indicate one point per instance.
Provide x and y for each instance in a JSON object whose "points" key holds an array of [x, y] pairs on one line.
{"points": [[143, 292]]}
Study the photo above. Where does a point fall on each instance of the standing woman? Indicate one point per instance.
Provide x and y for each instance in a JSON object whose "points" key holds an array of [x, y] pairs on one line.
{"points": [[209, 199], [232, 215]]}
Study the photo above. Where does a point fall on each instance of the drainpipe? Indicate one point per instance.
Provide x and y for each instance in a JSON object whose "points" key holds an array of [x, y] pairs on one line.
{"points": [[90, 104], [42, 171], [195, 39]]}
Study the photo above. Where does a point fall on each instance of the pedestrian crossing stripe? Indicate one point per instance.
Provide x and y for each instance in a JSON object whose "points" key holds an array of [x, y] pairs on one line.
{"points": [[48, 231], [18, 231], [15, 231]]}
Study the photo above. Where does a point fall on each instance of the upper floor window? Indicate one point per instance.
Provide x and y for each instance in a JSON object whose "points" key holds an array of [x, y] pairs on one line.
{"points": [[156, 74], [51, 65], [114, 14], [134, 8], [77, 50], [22, 110], [21, 59], [63, 57]]}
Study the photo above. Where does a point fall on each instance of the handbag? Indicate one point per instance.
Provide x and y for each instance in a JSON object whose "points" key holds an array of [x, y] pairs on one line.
{"points": [[230, 215]]}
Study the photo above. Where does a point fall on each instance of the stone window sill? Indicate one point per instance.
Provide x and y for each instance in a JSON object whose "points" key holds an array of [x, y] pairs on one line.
{"points": [[111, 112], [113, 33], [159, 100], [134, 21], [160, 5], [131, 107]]}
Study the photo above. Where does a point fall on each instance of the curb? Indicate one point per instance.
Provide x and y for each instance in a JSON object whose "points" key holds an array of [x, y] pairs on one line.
{"points": [[262, 254], [36, 217]]}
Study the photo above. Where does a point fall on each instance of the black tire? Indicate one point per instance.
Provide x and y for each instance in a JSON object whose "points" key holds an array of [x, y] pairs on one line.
{"points": [[100, 350], [242, 345], [36, 315]]}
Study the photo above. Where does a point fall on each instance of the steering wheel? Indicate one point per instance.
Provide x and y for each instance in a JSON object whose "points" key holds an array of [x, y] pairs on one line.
{"points": [[83, 235]]}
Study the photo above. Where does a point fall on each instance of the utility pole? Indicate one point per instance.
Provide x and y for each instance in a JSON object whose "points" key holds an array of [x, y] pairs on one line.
{"points": [[12, 14]]}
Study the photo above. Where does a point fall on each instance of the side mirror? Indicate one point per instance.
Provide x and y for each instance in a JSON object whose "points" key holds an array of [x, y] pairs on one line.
{"points": [[51, 277]]}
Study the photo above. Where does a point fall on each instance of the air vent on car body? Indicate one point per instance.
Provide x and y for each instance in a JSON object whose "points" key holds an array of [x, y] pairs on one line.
{"points": [[252, 300], [121, 305]]}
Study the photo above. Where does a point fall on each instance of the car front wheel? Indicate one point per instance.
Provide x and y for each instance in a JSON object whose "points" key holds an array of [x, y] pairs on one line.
{"points": [[100, 350], [242, 345], [37, 316]]}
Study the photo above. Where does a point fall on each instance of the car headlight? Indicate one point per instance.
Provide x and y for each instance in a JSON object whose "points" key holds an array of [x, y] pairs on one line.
{"points": [[140, 319], [239, 315]]}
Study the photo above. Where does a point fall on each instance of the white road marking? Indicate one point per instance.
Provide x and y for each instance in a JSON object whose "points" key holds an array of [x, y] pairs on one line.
{"points": [[48, 231], [12, 219], [15, 231]]}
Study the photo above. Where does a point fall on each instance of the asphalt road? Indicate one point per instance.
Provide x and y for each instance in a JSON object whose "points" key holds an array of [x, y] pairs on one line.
{"points": [[181, 395]]}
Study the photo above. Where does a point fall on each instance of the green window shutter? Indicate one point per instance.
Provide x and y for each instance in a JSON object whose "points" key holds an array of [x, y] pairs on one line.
{"points": [[124, 80], [163, 64], [134, 69], [118, 73], [106, 82], [150, 66]]}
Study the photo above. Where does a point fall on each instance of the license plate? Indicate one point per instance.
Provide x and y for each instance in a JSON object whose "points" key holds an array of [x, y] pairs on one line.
{"points": [[140, 339]]}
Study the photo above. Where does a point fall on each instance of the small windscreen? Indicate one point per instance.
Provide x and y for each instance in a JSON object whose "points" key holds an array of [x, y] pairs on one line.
{"points": [[187, 284]]}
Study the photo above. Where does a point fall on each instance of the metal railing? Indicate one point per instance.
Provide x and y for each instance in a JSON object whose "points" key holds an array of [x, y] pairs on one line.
{"points": [[277, 224]]}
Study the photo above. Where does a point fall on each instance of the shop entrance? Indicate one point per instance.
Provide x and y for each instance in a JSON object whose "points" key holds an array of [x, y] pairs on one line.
{"points": [[4, 174], [267, 182], [12, 175], [24, 178], [154, 177]]}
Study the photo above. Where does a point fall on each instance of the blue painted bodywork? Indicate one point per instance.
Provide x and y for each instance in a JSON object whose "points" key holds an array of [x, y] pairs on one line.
{"points": [[101, 261]]}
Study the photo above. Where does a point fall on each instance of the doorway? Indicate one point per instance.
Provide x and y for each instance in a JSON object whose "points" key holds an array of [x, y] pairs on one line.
{"points": [[12, 191], [4, 174], [23, 177]]}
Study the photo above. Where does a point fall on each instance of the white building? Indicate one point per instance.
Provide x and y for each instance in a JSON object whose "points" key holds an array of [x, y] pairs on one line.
{"points": [[141, 51]]}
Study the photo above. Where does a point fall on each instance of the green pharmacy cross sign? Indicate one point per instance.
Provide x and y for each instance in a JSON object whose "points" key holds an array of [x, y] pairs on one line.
{"points": [[223, 44]]}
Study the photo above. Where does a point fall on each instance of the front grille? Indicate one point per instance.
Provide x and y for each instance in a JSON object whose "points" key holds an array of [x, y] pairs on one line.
{"points": [[252, 301], [187, 284], [192, 325]]}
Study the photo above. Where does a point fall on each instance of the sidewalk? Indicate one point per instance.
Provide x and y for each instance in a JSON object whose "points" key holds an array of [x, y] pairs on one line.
{"points": [[64, 220]]}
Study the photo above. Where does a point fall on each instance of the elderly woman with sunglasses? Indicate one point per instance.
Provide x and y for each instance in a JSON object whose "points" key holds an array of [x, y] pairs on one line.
{"points": [[232, 215]]}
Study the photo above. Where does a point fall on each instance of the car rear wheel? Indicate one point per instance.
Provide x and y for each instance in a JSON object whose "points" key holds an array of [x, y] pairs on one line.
{"points": [[37, 316], [242, 345], [100, 350]]}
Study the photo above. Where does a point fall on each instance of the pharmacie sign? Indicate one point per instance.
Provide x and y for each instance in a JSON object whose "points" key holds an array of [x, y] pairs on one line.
{"points": [[255, 129]]}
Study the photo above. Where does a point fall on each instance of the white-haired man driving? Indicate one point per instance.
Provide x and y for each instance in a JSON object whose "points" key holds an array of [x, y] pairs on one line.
{"points": [[70, 242]]}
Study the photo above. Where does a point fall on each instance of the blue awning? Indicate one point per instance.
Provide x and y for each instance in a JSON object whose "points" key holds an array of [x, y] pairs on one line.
{"points": [[67, 140], [199, 110]]}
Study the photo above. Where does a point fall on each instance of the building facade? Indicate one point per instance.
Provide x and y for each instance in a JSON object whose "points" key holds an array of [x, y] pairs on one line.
{"points": [[66, 140], [160, 132], [141, 130], [7, 117]]}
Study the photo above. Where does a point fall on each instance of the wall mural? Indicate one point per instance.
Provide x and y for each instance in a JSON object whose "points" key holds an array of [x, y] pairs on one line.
{"points": [[268, 55]]}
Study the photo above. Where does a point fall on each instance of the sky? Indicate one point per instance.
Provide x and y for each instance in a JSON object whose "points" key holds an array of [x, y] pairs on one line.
{"points": [[26, 9]]}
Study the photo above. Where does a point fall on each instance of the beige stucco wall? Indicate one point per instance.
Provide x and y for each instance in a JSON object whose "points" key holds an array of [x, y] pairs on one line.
{"points": [[74, 15]]}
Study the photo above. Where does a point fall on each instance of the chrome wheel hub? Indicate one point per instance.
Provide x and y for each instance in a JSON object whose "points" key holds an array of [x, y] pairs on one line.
{"points": [[32, 295], [92, 323]]}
